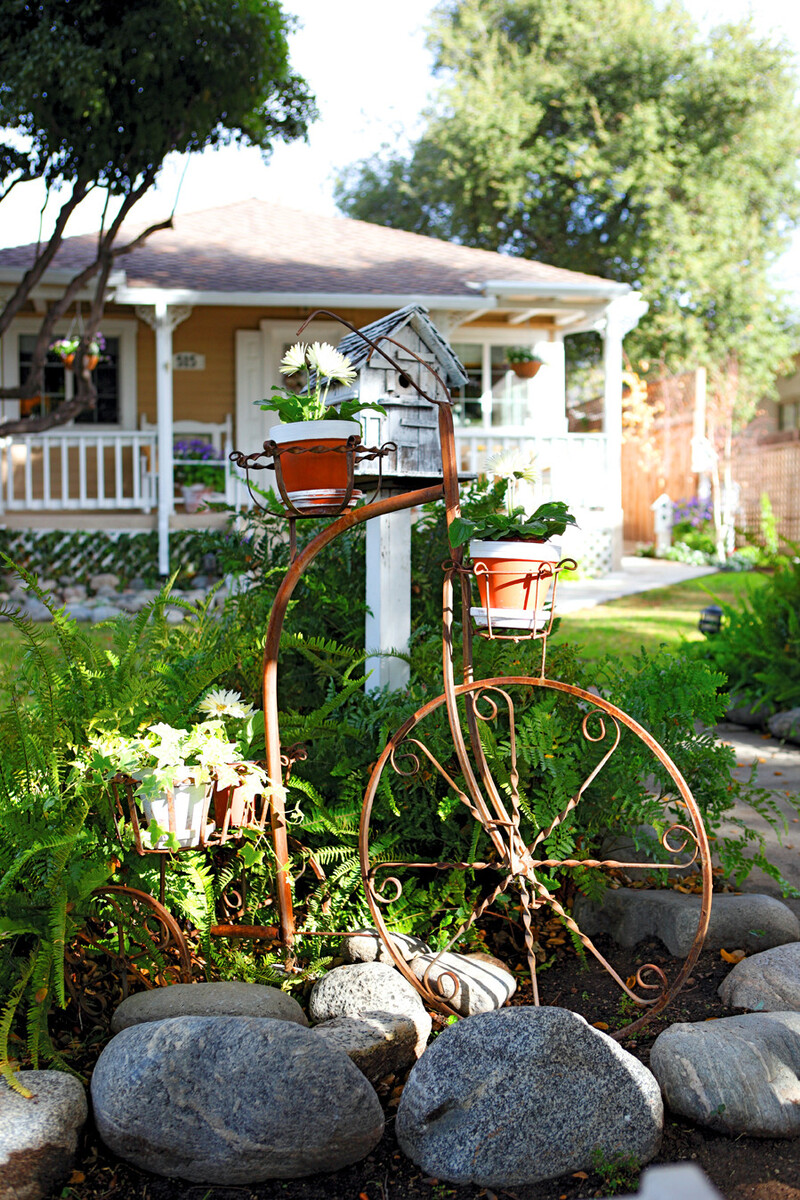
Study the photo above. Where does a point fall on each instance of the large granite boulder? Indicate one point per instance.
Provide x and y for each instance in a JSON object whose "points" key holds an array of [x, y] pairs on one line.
{"points": [[736, 1075], [233, 999], [630, 915], [39, 1136], [232, 1100], [358, 988], [767, 982], [515, 1096]]}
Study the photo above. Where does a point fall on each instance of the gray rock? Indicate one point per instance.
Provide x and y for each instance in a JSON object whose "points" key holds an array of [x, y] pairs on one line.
{"points": [[75, 591], [103, 580], [629, 915], [736, 1075], [104, 612], [78, 612], [786, 725], [36, 610], [365, 945], [137, 584], [767, 982], [482, 987], [379, 1044], [742, 713], [523, 1094], [358, 988], [174, 616], [232, 1100], [38, 1137], [233, 999]]}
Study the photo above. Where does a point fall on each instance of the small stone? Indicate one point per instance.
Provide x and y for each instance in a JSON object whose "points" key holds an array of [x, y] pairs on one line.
{"points": [[103, 580], [519, 1095], [786, 725], [357, 988], [737, 1075], [629, 915], [137, 584], [78, 612], [232, 1100], [36, 610], [77, 592], [103, 612], [766, 982], [365, 945], [742, 713], [232, 998], [379, 1043], [481, 987], [174, 616], [39, 1137]]}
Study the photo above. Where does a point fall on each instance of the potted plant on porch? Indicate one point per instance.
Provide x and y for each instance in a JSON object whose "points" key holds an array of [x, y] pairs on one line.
{"points": [[514, 561], [523, 362], [308, 422], [199, 471], [67, 347], [190, 780]]}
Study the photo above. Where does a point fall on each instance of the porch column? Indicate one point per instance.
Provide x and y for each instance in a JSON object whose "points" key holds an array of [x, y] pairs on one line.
{"points": [[622, 315], [388, 624], [163, 318]]}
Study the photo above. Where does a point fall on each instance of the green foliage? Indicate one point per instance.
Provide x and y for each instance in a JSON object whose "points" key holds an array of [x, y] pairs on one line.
{"points": [[102, 99], [549, 520], [618, 1171], [758, 647], [620, 141]]}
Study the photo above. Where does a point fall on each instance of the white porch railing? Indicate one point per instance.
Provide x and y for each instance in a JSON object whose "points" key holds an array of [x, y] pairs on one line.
{"points": [[573, 467], [61, 470]]}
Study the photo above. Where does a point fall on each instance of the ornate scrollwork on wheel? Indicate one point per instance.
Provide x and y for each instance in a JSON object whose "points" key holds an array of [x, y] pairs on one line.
{"points": [[142, 939], [500, 812]]}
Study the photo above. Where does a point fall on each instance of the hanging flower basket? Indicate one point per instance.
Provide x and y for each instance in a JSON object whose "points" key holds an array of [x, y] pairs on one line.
{"points": [[525, 370]]}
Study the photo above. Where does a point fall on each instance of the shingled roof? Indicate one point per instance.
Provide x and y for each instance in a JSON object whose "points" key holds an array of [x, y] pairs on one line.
{"points": [[256, 247], [358, 351]]}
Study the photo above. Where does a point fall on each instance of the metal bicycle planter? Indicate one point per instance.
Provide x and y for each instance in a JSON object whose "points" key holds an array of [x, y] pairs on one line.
{"points": [[512, 861], [518, 864]]}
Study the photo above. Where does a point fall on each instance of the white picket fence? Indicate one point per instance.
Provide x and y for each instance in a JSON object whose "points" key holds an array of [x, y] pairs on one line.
{"points": [[60, 470]]}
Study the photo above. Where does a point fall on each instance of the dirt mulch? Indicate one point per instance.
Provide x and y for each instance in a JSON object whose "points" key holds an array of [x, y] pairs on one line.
{"points": [[741, 1168]]}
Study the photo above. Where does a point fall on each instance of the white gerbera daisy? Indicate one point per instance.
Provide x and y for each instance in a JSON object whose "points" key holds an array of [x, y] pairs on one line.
{"points": [[512, 464], [294, 359], [330, 364], [221, 703]]}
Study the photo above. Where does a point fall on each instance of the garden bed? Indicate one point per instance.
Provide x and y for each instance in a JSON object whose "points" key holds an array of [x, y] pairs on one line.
{"points": [[742, 1168]]}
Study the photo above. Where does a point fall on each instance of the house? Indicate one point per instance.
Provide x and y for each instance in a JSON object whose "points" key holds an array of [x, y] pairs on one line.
{"points": [[199, 317]]}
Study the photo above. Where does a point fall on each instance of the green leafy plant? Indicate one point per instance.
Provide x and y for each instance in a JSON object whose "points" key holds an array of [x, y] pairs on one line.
{"points": [[327, 366], [618, 1171], [549, 520], [521, 354]]}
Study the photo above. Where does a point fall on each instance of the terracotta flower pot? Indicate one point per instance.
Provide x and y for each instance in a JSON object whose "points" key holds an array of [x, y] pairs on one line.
{"points": [[525, 370], [90, 361], [68, 360], [313, 480], [514, 581]]}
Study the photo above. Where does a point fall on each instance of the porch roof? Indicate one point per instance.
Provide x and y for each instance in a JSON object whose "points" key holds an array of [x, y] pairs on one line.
{"points": [[250, 249]]}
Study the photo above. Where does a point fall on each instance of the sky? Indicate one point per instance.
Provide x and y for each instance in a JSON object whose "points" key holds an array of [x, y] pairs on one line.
{"points": [[365, 99]]}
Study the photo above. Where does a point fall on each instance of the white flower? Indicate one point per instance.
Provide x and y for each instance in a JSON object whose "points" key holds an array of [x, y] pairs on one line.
{"points": [[512, 464], [330, 364], [220, 703], [294, 360]]}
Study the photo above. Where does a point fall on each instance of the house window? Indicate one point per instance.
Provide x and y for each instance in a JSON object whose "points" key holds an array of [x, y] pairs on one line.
{"points": [[491, 397], [58, 384], [789, 415]]}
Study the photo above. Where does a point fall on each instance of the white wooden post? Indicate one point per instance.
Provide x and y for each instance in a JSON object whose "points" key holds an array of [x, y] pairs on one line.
{"points": [[622, 315], [163, 319], [388, 625]]}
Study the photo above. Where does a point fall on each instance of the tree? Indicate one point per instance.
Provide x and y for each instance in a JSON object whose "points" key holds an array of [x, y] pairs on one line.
{"points": [[95, 93], [610, 137]]}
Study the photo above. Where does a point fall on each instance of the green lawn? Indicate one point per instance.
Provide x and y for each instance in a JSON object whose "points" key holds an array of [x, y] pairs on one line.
{"points": [[623, 627]]}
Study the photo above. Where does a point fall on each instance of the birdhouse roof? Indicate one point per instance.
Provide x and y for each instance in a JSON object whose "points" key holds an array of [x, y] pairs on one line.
{"points": [[361, 354]]}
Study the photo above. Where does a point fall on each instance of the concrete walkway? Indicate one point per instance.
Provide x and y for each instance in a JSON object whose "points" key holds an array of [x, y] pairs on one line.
{"points": [[637, 575]]}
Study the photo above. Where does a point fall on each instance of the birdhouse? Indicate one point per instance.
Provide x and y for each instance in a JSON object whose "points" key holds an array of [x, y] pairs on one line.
{"points": [[411, 422], [662, 522]]}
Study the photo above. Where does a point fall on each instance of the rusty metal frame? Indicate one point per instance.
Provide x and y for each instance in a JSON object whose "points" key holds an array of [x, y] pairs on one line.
{"points": [[498, 814]]}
